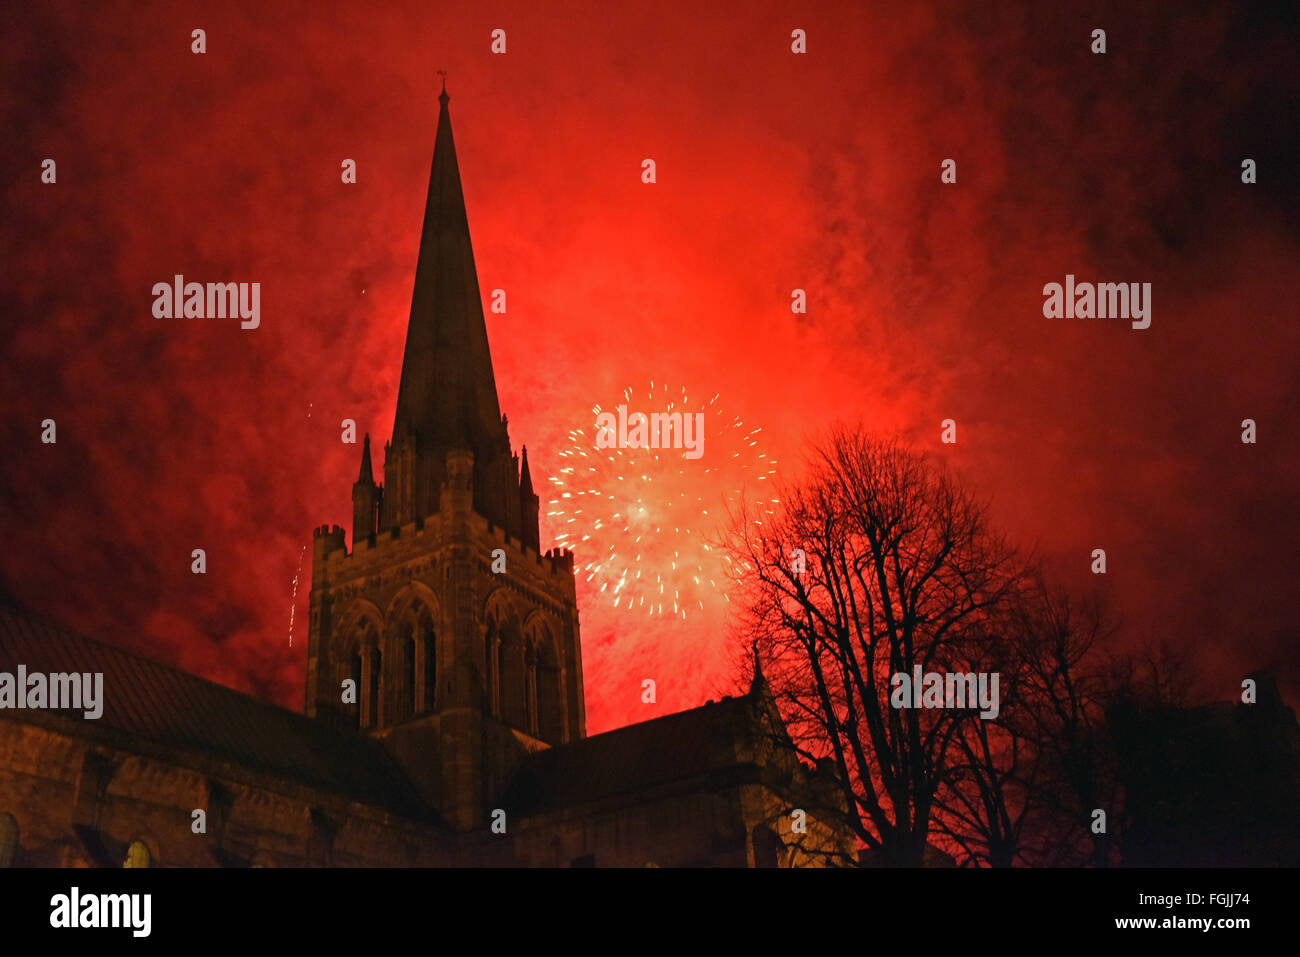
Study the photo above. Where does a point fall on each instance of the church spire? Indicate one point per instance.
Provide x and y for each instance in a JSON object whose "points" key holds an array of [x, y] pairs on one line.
{"points": [[447, 397]]}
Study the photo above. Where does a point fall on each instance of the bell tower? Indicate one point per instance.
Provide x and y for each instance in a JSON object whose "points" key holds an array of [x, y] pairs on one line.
{"points": [[445, 630]]}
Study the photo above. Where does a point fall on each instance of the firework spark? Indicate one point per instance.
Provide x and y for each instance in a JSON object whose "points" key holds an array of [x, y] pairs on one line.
{"points": [[640, 521], [293, 602]]}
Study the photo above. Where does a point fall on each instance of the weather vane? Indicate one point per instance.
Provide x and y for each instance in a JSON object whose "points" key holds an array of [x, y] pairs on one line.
{"points": [[443, 74]]}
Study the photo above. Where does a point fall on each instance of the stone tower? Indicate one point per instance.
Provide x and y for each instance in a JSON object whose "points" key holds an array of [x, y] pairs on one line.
{"points": [[459, 638]]}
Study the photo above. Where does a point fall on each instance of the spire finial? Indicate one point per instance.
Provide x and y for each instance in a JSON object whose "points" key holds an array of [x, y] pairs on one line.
{"points": [[443, 97]]}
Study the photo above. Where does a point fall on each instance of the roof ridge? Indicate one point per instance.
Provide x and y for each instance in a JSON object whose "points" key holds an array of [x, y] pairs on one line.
{"points": [[739, 701]]}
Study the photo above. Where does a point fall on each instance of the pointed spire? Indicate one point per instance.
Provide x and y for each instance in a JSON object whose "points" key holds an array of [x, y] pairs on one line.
{"points": [[758, 683], [367, 476], [366, 498], [447, 397], [525, 479]]}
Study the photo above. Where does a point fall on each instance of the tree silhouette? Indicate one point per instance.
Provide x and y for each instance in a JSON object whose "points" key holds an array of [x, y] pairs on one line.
{"points": [[1024, 787], [877, 563]]}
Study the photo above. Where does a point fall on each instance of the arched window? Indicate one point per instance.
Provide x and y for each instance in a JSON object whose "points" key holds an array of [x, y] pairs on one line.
{"points": [[550, 707], [376, 669], [356, 689], [530, 689], [493, 665], [137, 855], [359, 663], [8, 840], [429, 700], [509, 682], [411, 686], [497, 676], [545, 711], [420, 648]]}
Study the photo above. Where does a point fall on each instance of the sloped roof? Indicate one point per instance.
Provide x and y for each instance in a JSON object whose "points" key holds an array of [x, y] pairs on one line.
{"points": [[151, 703], [639, 757]]}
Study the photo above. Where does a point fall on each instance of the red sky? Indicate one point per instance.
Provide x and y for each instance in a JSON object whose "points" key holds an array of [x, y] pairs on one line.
{"points": [[775, 172]]}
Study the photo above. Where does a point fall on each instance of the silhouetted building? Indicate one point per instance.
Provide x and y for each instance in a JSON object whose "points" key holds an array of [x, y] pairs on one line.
{"points": [[1214, 785], [445, 719]]}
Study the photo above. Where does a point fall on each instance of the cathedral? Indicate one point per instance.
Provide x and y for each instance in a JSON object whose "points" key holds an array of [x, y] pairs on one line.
{"points": [[444, 720]]}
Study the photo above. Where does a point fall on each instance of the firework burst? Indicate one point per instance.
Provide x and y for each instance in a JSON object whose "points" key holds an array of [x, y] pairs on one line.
{"points": [[643, 522]]}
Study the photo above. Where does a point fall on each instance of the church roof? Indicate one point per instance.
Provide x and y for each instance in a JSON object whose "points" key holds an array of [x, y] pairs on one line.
{"points": [[153, 709], [674, 749]]}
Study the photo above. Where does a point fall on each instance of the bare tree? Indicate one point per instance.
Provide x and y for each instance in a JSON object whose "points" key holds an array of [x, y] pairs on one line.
{"points": [[993, 770], [1025, 787], [877, 563]]}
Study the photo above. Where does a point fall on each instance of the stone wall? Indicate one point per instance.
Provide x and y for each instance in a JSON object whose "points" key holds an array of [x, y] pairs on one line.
{"points": [[80, 803]]}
